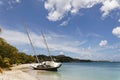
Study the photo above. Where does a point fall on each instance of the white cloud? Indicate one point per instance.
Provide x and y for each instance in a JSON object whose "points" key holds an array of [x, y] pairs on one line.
{"points": [[57, 9], [18, 38], [8, 4], [116, 32], [25, 50], [13, 2], [64, 23], [56, 42], [103, 43], [108, 6], [18, 1], [80, 33], [118, 20], [93, 35], [1, 3], [61, 53], [76, 5]]}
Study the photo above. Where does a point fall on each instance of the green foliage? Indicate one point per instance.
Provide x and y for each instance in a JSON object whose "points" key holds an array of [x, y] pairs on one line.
{"points": [[23, 58], [6, 50], [9, 55], [1, 61], [6, 62], [59, 58]]}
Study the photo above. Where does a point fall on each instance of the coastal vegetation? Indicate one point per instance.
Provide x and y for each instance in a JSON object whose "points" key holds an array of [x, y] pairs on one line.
{"points": [[9, 55]]}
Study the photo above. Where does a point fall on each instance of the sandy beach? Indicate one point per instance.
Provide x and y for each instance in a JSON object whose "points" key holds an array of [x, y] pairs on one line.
{"points": [[17, 74]]}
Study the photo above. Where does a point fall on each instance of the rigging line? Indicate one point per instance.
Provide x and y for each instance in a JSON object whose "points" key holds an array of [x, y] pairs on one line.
{"points": [[45, 41], [25, 28]]}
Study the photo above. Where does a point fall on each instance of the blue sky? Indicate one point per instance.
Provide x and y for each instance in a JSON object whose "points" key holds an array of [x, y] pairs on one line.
{"points": [[85, 29]]}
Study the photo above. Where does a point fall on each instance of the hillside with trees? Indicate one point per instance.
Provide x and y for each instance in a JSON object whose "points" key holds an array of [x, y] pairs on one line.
{"points": [[9, 55], [61, 58]]}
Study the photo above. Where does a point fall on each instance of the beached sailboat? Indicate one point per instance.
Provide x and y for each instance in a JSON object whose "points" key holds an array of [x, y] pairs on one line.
{"points": [[45, 65]]}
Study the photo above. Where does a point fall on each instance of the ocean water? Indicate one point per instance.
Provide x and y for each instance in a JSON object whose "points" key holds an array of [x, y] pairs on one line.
{"points": [[81, 71]]}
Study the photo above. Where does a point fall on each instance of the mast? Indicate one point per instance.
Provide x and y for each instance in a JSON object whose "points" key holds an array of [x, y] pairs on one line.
{"points": [[45, 41], [25, 28]]}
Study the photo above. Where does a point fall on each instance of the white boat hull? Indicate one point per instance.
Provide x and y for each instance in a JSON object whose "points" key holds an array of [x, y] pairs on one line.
{"points": [[47, 65]]}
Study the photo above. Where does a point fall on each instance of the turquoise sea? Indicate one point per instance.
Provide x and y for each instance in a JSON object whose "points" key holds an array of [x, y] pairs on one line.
{"points": [[81, 71]]}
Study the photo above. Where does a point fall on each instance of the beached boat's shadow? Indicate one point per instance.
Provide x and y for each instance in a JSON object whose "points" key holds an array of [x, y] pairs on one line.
{"points": [[48, 75]]}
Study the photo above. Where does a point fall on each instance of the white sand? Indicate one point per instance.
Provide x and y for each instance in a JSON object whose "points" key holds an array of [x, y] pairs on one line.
{"points": [[17, 74]]}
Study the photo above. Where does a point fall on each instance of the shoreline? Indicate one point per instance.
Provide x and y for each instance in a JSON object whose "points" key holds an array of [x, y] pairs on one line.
{"points": [[16, 73]]}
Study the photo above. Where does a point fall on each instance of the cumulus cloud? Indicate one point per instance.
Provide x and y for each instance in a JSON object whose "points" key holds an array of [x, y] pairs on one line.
{"points": [[116, 31], [57, 9], [108, 6], [103, 43], [76, 5]]}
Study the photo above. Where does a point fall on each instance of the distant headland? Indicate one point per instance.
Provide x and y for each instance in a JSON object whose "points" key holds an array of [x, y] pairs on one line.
{"points": [[64, 58]]}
